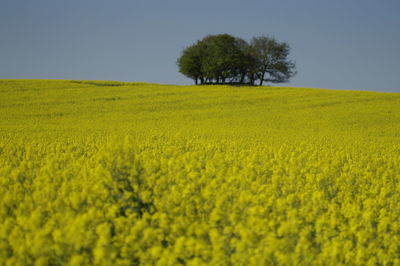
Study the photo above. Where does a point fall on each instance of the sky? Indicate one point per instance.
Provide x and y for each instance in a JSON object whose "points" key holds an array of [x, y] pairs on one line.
{"points": [[342, 44]]}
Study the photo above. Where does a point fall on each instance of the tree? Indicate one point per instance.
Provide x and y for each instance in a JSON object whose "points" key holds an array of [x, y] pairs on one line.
{"points": [[222, 58], [248, 62], [190, 63], [272, 62]]}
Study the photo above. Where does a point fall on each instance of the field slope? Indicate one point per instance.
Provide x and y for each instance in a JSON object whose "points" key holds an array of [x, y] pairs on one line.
{"points": [[114, 173]]}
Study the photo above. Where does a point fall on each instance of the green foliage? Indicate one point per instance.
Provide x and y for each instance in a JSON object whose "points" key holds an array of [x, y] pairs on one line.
{"points": [[190, 62], [272, 63], [221, 59], [110, 173]]}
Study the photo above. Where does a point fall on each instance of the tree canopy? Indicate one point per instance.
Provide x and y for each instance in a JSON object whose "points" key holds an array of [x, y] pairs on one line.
{"points": [[225, 59]]}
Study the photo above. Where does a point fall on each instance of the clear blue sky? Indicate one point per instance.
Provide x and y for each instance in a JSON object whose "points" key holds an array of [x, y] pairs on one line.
{"points": [[336, 44]]}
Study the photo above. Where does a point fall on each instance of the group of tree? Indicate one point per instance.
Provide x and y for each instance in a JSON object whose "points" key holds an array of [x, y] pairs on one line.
{"points": [[225, 59]]}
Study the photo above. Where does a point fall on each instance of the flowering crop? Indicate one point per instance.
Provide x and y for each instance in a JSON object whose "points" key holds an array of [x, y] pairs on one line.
{"points": [[109, 173]]}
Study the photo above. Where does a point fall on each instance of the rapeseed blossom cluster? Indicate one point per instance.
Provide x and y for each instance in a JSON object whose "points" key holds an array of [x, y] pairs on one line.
{"points": [[104, 173]]}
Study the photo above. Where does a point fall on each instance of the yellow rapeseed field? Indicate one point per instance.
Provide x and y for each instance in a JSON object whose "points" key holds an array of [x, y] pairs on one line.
{"points": [[112, 173]]}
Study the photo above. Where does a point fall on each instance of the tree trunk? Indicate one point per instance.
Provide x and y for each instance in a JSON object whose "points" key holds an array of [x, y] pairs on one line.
{"points": [[242, 78], [262, 79]]}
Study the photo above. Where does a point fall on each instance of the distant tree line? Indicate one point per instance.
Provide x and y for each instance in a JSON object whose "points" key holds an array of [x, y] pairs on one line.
{"points": [[225, 59]]}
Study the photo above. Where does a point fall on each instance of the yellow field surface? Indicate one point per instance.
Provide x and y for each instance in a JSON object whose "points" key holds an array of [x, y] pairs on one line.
{"points": [[112, 173]]}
